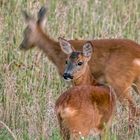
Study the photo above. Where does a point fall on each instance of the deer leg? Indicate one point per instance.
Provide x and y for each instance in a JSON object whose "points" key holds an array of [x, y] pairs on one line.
{"points": [[136, 86], [122, 88], [126, 99], [64, 131]]}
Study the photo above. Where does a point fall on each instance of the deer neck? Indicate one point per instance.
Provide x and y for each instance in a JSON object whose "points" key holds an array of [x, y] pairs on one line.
{"points": [[52, 50], [85, 79]]}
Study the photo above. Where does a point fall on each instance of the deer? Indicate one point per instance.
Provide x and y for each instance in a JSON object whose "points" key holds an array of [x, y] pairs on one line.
{"points": [[114, 61], [88, 107]]}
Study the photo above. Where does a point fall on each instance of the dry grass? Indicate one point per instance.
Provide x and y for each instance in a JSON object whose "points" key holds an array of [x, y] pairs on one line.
{"points": [[30, 84]]}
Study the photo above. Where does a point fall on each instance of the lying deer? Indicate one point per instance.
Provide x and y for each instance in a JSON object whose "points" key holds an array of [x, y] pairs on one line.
{"points": [[87, 108], [116, 61]]}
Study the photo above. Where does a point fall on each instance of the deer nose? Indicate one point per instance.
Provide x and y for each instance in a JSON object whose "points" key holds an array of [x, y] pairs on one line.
{"points": [[21, 46], [67, 76]]}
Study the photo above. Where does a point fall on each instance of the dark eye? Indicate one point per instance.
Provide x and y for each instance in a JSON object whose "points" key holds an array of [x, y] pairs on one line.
{"points": [[66, 62], [80, 63]]}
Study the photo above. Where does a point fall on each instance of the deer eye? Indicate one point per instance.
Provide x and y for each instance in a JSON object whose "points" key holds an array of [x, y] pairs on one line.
{"points": [[66, 62], [80, 63]]}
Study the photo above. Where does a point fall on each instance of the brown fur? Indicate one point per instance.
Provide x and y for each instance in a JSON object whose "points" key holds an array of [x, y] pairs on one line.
{"points": [[84, 110], [113, 60]]}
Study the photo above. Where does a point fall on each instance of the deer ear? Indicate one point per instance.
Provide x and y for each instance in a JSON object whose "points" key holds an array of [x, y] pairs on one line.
{"points": [[87, 49], [29, 20], [65, 46], [26, 16], [41, 17]]}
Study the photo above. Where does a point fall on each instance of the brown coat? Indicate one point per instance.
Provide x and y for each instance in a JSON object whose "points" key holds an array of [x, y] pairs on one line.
{"points": [[84, 110]]}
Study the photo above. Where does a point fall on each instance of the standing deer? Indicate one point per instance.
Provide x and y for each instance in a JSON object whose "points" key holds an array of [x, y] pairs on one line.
{"points": [[116, 61], [87, 108]]}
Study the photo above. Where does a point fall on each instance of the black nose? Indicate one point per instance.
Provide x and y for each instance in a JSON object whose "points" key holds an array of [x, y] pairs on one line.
{"points": [[21, 46], [67, 76]]}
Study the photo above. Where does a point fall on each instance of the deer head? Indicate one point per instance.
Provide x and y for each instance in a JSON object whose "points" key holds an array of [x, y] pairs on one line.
{"points": [[77, 61], [33, 29]]}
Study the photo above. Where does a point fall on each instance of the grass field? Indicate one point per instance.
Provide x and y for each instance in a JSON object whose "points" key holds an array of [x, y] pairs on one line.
{"points": [[30, 84]]}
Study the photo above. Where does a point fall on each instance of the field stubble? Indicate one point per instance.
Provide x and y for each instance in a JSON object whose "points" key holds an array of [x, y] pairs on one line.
{"points": [[30, 84]]}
